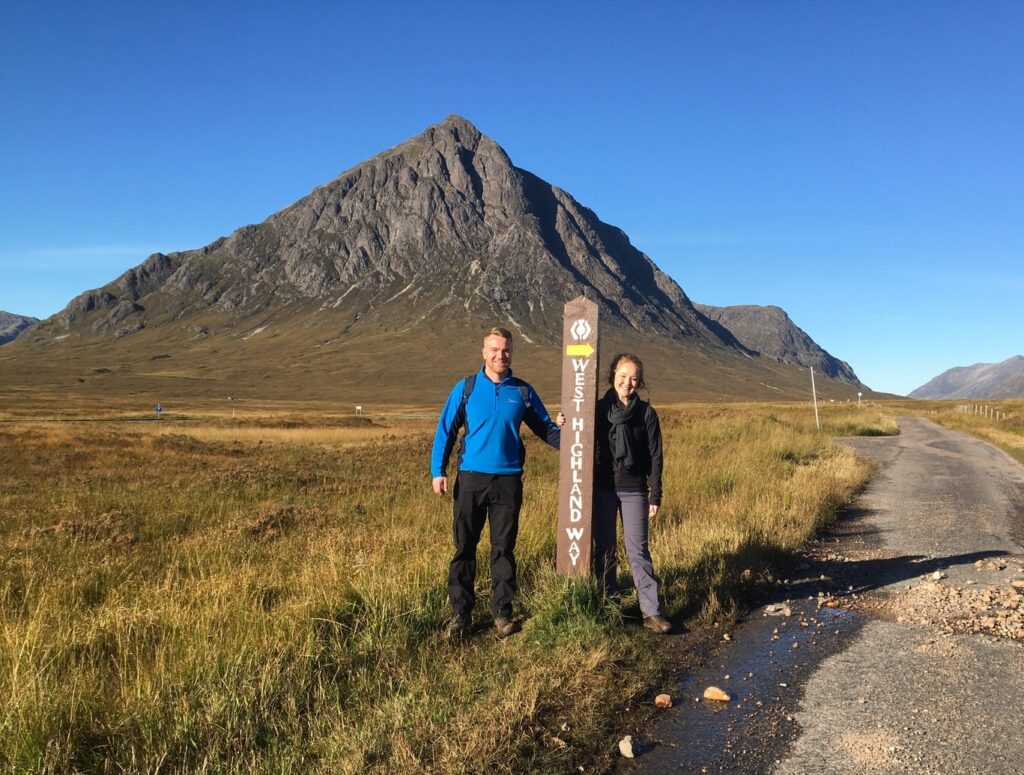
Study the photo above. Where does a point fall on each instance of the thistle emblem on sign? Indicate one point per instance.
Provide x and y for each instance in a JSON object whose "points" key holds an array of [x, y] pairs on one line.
{"points": [[580, 329]]}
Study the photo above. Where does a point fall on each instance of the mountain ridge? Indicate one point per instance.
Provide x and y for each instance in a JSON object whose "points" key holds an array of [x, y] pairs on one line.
{"points": [[770, 331], [425, 242], [12, 325], [980, 380]]}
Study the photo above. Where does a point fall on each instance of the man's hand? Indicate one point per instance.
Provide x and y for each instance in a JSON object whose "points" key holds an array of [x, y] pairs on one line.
{"points": [[652, 511], [440, 484], [560, 419]]}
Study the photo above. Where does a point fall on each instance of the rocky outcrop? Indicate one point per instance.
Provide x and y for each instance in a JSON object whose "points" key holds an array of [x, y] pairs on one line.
{"points": [[12, 325], [770, 331], [125, 318], [982, 380]]}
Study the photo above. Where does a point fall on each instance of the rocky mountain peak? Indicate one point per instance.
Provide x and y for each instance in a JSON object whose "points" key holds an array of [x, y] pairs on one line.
{"points": [[443, 224], [770, 331], [458, 128]]}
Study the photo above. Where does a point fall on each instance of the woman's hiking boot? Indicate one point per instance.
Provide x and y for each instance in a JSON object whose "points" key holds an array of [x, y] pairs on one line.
{"points": [[658, 624]]}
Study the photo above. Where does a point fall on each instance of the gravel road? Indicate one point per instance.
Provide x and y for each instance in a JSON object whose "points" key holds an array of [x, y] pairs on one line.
{"points": [[896, 647]]}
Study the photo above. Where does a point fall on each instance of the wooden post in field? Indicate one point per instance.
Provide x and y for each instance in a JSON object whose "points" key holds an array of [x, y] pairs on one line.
{"points": [[814, 396], [580, 338]]}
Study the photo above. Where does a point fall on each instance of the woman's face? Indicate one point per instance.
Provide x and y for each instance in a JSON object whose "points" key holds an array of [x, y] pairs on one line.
{"points": [[627, 377]]}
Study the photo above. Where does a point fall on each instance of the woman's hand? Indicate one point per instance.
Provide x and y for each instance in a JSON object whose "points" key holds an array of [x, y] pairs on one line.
{"points": [[652, 511], [560, 419]]}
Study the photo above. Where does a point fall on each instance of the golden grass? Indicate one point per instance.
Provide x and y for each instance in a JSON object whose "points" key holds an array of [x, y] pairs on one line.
{"points": [[342, 437], [205, 597]]}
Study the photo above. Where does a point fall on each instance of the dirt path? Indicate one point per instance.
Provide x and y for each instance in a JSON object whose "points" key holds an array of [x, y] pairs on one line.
{"points": [[897, 646]]}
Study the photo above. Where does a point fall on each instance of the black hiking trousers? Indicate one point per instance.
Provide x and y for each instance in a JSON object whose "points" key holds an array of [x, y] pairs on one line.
{"points": [[495, 498]]}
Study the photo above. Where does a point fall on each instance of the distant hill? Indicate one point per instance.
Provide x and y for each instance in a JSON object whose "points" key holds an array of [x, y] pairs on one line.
{"points": [[770, 331], [982, 380], [378, 285], [12, 325]]}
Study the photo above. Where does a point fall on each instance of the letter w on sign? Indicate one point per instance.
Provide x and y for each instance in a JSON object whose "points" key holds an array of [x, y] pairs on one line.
{"points": [[576, 473]]}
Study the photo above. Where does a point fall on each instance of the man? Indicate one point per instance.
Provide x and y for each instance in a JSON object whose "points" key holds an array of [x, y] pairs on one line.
{"points": [[491, 405]]}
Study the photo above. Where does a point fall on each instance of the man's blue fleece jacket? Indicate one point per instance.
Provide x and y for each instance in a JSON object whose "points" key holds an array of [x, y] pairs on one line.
{"points": [[492, 416]]}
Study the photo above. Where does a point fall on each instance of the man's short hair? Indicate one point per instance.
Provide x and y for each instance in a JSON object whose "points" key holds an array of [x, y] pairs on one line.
{"points": [[502, 332]]}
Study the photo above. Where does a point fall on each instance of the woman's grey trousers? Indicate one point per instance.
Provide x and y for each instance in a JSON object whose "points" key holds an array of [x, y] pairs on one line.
{"points": [[633, 506]]}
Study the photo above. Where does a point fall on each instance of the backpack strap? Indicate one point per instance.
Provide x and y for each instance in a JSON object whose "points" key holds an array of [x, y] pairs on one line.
{"points": [[524, 391], [467, 387]]}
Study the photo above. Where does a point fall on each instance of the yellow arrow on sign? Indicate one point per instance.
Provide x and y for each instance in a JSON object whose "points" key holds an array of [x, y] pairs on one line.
{"points": [[585, 350]]}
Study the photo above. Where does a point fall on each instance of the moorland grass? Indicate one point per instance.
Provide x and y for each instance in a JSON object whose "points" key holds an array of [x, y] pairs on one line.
{"points": [[195, 598]]}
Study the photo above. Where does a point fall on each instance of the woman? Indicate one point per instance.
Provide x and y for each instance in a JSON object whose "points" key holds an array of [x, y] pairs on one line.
{"points": [[627, 479]]}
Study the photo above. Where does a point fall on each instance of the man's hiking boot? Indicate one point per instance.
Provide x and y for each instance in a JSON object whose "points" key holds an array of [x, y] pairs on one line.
{"points": [[457, 628], [504, 627], [658, 624]]}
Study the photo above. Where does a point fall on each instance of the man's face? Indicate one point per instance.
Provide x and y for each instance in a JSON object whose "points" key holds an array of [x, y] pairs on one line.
{"points": [[497, 354]]}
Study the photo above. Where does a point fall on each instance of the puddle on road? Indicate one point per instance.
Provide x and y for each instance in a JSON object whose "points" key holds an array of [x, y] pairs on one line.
{"points": [[766, 673]]}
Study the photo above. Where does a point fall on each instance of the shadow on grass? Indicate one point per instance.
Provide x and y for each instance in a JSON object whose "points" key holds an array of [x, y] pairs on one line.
{"points": [[719, 584], [722, 583]]}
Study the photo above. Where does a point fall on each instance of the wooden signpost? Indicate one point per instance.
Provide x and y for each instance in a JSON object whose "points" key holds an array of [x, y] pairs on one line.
{"points": [[576, 472]]}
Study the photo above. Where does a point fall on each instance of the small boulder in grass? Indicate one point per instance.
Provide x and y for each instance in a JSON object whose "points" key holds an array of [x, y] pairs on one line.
{"points": [[663, 701], [626, 746], [714, 693]]}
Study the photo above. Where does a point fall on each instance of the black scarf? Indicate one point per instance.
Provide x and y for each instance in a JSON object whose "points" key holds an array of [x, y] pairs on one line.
{"points": [[619, 436]]}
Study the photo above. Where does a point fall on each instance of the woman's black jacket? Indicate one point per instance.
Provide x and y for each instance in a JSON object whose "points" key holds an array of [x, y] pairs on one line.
{"points": [[646, 435]]}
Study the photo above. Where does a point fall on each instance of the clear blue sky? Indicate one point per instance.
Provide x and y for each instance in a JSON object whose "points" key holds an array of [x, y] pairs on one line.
{"points": [[859, 164]]}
